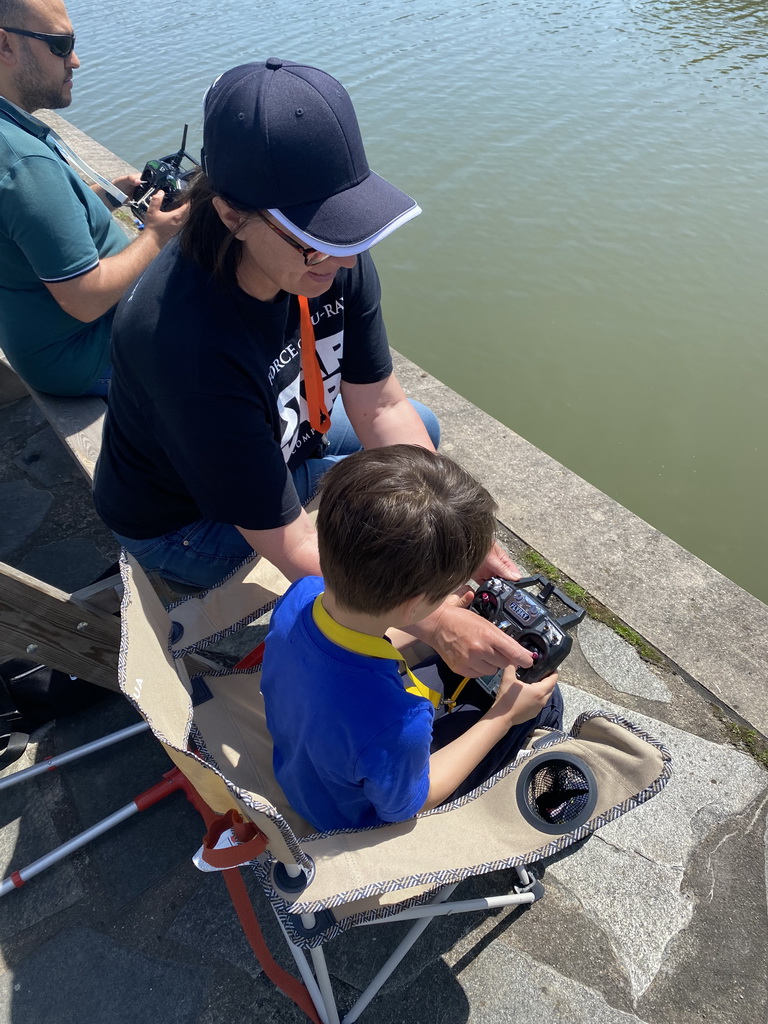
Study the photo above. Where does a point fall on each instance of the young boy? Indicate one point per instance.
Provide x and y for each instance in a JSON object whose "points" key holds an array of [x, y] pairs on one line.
{"points": [[399, 529]]}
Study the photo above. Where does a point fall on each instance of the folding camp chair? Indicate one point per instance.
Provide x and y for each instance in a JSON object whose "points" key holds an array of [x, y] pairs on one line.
{"points": [[559, 790]]}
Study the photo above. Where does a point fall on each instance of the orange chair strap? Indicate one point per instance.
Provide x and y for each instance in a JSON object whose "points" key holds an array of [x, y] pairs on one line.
{"points": [[290, 986], [251, 843]]}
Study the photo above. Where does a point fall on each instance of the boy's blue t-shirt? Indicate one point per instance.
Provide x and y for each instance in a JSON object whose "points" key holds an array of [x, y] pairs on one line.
{"points": [[351, 745]]}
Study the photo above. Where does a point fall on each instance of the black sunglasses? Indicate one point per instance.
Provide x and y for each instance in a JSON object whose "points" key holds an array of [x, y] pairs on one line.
{"points": [[59, 45]]}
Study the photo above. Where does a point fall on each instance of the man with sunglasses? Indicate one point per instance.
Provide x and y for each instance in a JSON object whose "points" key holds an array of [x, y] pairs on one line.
{"points": [[252, 355], [64, 261]]}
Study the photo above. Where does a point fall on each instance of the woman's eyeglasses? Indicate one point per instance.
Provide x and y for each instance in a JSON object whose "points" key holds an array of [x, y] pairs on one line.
{"points": [[59, 45], [311, 256]]}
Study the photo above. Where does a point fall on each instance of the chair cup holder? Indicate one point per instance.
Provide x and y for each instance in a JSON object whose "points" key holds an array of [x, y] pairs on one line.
{"points": [[556, 792]]}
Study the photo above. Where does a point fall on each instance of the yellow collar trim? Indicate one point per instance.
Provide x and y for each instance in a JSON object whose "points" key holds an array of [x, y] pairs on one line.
{"points": [[371, 646]]}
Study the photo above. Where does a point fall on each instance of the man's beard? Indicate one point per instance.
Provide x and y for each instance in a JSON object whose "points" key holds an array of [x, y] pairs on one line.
{"points": [[33, 92]]}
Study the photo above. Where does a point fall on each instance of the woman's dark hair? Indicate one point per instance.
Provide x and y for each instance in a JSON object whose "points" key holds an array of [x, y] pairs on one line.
{"points": [[205, 238], [398, 522]]}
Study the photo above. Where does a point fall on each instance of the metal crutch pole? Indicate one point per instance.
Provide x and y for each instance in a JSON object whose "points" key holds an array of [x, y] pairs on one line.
{"points": [[49, 764], [144, 800]]}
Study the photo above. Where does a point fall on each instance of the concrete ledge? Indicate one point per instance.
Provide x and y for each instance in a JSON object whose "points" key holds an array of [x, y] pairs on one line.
{"points": [[714, 631], [98, 156], [12, 387]]}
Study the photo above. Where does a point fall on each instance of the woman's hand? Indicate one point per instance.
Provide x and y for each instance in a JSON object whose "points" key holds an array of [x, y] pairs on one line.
{"points": [[497, 563], [468, 643]]}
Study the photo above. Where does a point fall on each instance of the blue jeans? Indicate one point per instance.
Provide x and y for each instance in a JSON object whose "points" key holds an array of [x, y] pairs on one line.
{"points": [[202, 553]]}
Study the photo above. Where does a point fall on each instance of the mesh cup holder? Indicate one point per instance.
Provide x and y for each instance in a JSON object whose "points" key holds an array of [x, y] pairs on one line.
{"points": [[556, 793]]}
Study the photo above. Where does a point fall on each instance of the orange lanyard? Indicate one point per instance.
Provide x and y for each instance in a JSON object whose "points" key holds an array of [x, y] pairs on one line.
{"points": [[319, 419]]}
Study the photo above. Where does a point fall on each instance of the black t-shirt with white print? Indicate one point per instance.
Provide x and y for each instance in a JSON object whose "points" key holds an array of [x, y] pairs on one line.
{"points": [[207, 411]]}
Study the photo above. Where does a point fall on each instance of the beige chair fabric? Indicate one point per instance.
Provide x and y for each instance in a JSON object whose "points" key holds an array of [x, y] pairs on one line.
{"points": [[223, 746]]}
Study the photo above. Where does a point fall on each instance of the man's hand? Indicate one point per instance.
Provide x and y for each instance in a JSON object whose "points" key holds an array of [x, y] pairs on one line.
{"points": [[164, 225], [127, 183], [467, 642], [497, 563], [520, 702]]}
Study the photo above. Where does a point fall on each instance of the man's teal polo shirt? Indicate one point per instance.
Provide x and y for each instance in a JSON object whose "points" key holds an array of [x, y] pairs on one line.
{"points": [[52, 227]]}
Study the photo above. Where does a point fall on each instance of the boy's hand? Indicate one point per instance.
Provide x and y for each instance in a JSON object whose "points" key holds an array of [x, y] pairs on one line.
{"points": [[522, 701]]}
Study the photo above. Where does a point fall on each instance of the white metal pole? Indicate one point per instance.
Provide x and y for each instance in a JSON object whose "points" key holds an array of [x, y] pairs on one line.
{"points": [[463, 907], [306, 974], [18, 878], [169, 784], [51, 763], [324, 981], [394, 959]]}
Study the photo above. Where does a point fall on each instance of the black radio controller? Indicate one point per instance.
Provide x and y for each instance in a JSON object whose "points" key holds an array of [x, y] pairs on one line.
{"points": [[526, 618]]}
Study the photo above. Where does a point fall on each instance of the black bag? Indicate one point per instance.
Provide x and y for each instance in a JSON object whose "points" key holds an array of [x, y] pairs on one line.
{"points": [[31, 695]]}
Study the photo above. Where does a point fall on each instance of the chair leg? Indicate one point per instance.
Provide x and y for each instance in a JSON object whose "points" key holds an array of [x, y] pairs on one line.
{"points": [[324, 983], [308, 977], [319, 983], [395, 958]]}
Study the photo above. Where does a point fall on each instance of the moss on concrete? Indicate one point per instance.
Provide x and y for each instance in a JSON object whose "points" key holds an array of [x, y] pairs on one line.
{"points": [[744, 738], [540, 566]]}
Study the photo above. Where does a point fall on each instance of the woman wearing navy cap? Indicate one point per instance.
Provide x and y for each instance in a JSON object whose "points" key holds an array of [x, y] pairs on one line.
{"points": [[252, 354]]}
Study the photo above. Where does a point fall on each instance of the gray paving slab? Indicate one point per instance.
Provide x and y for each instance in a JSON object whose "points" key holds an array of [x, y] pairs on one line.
{"points": [[135, 856], [618, 663], [45, 459], [82, 977], [717, 968], [28, 832], [528, 992], [24, 508], [208, 923], [436, 997], [629, 876], [20, 419], [353, 959], [66, 564]]}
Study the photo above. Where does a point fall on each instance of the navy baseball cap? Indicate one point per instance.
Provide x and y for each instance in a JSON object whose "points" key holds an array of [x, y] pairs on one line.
{"points": [[283, 137]]}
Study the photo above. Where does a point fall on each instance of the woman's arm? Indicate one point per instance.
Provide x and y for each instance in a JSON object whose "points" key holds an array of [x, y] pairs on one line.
{"points": [[292, 548], [380, 414]]}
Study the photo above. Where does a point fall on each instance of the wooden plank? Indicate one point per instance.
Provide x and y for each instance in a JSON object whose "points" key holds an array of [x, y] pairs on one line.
{"points": [[39, 622], [77, 422]]}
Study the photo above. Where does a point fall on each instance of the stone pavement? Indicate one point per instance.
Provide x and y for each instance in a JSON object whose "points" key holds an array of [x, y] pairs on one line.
{"points": [[661, 917]]}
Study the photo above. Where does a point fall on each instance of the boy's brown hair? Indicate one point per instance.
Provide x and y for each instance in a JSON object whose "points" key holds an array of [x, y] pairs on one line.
{"points": [[397, 522]]}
